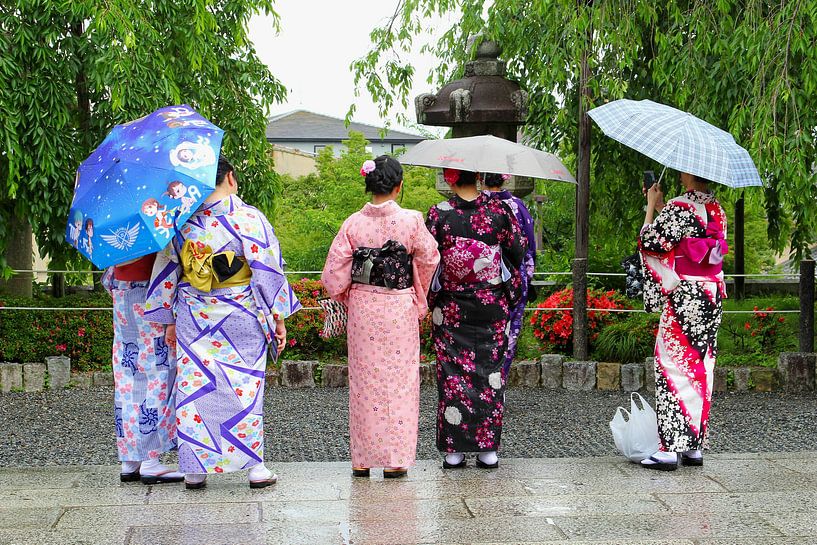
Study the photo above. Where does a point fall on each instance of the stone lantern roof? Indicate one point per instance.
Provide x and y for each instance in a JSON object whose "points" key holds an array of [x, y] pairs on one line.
{"points": [[481, 102]]}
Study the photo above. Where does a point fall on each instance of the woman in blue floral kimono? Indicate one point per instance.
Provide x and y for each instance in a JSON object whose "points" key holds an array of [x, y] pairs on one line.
{"points": [[493, 183], [482, 249], [222, 283], [144, 370]]}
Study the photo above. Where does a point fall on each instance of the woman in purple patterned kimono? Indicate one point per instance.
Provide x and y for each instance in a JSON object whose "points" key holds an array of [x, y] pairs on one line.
{"points": [[144, 369], [222, 283], [493, 183], [682, 251], [482, 249]]}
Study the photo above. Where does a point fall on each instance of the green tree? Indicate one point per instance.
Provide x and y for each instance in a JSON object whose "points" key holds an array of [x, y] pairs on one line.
{"points": [[313, 207], [743, 65], [69, 71]]}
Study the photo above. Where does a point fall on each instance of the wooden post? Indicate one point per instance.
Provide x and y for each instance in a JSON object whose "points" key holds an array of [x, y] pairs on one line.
{"points": [[740, 262], [580, 337], [807, 305]]}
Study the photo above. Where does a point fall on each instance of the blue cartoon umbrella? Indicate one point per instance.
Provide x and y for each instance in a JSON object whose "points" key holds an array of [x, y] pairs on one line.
{"points": [[145, 175]]}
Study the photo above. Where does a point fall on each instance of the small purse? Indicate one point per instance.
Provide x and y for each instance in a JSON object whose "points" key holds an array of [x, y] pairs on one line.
{"points": [[634, 281], [335, 318]]}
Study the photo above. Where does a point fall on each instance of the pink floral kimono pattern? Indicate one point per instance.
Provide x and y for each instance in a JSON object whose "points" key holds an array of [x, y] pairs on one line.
{"points": [[383, 334], [682, 252], [222, 337], [144, 370], [482, 250]]}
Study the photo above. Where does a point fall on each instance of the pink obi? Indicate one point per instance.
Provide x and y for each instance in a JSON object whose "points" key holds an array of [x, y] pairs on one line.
{"points": [[702, 256], [471, 261]]}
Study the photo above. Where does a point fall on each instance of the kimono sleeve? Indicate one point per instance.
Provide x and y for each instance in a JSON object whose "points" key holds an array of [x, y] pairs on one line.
{"points": [[271, 290], [433, 227], [107, 280], [163, 287], [426, 258], [337, 271], [514, 248], [526, 223], [667, 230]]}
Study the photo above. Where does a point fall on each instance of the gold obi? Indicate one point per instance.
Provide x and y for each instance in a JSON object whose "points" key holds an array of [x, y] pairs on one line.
{"points": [[207, 271]]}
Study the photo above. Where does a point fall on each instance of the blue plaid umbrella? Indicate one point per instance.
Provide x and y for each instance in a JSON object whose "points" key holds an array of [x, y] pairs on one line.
{"points": [[146, 175], [677, 140]]}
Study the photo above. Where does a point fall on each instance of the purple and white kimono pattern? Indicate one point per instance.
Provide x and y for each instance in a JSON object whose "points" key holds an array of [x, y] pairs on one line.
{"points": [[222, 337], [144, 370], [520, 211]]}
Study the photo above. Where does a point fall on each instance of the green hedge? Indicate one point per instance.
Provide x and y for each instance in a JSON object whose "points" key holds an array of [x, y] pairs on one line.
{"points": [[32, 335], [86, 336]]}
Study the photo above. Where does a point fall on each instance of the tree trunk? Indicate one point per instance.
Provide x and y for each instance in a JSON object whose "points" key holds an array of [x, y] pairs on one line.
{"points": [[20, 256], [740, 249], [580, 333]]}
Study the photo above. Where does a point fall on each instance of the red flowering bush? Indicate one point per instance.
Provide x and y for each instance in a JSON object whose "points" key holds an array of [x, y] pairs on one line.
{"points": [[763, 326], [304, 328], [554, 328]]}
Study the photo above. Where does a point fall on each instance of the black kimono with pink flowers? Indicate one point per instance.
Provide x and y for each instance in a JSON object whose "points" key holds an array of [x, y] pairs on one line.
{"points": [[482, 249]]}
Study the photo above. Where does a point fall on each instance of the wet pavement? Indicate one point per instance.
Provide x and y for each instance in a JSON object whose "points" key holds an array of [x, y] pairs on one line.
{"points": [[744, 499]]}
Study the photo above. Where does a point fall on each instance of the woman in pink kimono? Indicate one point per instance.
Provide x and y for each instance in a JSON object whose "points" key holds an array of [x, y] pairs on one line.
{"points": [[682, 250], [380, 264]]}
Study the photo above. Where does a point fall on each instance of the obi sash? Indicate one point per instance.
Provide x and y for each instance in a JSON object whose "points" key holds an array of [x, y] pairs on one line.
{"points": [[470, 261], [389, 266], [207, 271], [702, 256]]}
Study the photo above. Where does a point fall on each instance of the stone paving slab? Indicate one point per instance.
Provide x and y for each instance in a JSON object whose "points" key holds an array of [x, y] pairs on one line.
{"points": [[733, 499]]}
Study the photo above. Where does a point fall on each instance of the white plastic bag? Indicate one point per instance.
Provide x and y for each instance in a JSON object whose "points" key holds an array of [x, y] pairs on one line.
{"points": [[636, 437]]}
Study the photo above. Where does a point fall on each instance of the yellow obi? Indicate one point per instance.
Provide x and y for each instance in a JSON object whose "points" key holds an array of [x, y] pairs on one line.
{"points": [[207, 271]]}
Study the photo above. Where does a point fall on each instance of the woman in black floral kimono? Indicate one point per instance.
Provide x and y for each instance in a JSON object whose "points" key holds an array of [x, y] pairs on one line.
{"points": [[682, 251], [482, 248]]}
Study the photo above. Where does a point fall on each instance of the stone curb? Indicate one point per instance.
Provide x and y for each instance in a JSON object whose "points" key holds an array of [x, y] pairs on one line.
{"points": [[796, 373]]}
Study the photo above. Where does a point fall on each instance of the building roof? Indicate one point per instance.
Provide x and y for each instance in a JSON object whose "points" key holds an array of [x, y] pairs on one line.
{"points": [[304, 126]]}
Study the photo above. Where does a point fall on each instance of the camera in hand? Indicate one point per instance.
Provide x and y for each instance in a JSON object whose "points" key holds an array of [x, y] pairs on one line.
{"points": [[649, 179]]}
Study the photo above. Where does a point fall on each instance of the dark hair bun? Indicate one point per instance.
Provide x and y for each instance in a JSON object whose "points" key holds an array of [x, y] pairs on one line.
{"points": [[492, 179], [387, 174], [467, 177]]}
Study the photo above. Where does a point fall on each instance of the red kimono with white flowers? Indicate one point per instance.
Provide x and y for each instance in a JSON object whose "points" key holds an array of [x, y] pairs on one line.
{"points": [[682, 252]]}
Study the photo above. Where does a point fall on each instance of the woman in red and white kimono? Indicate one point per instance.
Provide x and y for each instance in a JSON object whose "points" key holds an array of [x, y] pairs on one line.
{"points": [[682, 251]]}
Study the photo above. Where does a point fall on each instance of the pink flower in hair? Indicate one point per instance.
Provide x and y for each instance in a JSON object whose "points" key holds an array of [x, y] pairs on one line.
{"points": [[367, 167], [506, 177]]}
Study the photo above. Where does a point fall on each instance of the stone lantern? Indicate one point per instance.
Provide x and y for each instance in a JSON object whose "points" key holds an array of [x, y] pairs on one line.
{"points": [[483, 101]]}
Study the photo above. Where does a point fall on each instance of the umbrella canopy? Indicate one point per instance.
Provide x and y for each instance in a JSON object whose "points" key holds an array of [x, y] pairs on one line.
{"points": [[145, 175], [488, 154], [677, 140]]}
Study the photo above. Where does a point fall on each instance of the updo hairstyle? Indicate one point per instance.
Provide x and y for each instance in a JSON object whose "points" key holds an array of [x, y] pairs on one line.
{"points": [[387, 174], [492, 179], [466, 178]]}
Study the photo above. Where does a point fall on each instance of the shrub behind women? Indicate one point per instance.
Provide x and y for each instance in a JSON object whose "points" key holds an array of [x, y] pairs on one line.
{"points": [[385, 303]]}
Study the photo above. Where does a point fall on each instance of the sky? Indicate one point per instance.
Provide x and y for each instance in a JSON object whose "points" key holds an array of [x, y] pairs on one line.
{"points": [[311, 55]]}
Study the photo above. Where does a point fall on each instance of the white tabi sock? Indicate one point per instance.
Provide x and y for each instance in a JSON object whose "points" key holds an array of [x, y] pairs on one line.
{"points": [[488, 458], [694, 454], [130, 467], [454, 458], [154, 467], [260, 473], [662, 457], [195, 478]]}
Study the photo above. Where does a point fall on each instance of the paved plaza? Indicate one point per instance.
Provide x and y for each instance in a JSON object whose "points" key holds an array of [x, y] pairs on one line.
{"points": [[558, 482], [734, 499]]}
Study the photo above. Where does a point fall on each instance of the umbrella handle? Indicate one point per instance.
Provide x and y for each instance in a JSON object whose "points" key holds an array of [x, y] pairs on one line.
{"points": [[661, 176]]}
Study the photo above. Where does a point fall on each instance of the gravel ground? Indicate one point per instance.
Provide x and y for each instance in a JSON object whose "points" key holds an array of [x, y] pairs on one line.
{"points": [[75, 426]]}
